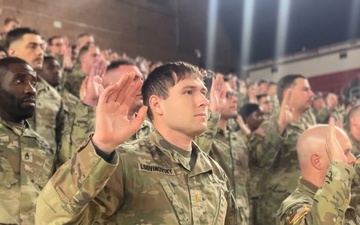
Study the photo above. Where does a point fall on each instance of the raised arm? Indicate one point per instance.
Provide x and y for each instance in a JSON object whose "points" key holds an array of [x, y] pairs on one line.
{"points": [[72, 196]]}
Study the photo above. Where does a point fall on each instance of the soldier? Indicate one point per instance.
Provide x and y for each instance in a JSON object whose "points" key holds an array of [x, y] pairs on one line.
{"points": [[161, 179], [273, 151], [26, 159], [48, 119], [354, 135], [265, 103], [323, 192], [229, 150], [271, 91], [72, 81]]}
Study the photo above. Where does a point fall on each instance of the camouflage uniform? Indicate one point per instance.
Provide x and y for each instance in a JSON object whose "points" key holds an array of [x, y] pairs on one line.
{"points": [[274, 164], [275, 104], [309, 116], [355, 187], [144, 130], [26, 165], [48, 119], [230, 152], [80, 123], [242, 99], [328, 205], [72, 81], [146, 182], [322, 116]]}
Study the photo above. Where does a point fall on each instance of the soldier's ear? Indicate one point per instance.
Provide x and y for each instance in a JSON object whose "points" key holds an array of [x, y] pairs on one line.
{"points": [[11, 51], [155, 105], [316, 162]]}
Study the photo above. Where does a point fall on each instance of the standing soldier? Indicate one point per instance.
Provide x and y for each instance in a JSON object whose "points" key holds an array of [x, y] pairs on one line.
{"points": [[274, 150], [163, 178], [323, 192], [48, 119]]}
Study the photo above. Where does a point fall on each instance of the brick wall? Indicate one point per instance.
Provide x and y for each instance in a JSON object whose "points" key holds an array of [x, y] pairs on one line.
{"points": [[164, 30]]}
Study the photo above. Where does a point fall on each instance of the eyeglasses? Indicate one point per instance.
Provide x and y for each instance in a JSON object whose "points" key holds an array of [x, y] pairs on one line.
{"points": [[229, 94]]}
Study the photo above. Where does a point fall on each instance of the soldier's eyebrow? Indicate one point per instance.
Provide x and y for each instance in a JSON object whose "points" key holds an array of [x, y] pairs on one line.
{"points": [[203, 89]]}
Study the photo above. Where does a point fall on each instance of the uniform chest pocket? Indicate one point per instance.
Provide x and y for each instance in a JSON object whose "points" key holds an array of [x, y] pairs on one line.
{"points": [[7, 175], [38, 165]]}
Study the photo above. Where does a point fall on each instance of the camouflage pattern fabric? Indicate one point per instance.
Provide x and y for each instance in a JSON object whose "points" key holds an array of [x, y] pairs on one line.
{"points": [[48, 119], [26, 165], [328, 205], [145, 183], [72, 81], [355, 187], [80, 122], [230, 152], [278, 167]]}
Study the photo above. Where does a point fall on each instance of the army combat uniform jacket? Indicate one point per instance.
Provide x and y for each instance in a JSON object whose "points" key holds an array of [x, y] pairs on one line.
{"points": [[146, 182], [48, 119], [328, 205], [26, 165], [277, 173]]}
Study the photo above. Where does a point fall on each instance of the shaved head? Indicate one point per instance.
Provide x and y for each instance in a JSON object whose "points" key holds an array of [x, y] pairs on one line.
{"points": [[312, 154]]}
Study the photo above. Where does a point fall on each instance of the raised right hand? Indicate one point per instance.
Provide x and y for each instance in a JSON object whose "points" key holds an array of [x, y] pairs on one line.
{"points": [[332, 145], [285, 112], [112, 126]]}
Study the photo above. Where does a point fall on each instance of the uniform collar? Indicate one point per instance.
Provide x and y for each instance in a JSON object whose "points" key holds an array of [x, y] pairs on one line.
{"points": [[202, 164]]}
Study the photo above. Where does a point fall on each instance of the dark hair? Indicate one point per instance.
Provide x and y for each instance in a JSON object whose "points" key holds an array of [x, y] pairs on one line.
{"points": [[117, 63], [258, 97], [17, 34], [272, 83], [285, 83], [11, 19], [49, 57], [247, 109], [262, 81], [5, 62], [50, 40], [164, 77]]}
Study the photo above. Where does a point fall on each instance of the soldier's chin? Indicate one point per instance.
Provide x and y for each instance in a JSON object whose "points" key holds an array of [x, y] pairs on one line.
{"points": [[26, 113]]}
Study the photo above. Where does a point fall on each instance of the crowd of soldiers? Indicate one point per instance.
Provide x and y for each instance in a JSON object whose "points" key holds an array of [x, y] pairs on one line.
{"points": [[89, 137]]}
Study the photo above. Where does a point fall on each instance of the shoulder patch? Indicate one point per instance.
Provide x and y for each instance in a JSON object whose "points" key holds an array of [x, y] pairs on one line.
{"points": [[298, 214], [155, 169]]}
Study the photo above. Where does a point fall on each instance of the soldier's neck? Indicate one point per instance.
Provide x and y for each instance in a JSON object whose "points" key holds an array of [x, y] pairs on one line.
{"points": [[222, 123], [297, 116], [174, 137]]}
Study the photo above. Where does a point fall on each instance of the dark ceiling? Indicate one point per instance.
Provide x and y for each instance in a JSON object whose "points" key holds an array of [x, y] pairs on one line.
{"points": [[311, 24]]}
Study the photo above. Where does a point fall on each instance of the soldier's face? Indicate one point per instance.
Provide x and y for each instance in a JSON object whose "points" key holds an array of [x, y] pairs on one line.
{"points": [[92, 56], [254, 120], [29, 48], [57, 46], [265, 104], [301, 95], [17, 92], [51, 72], [185, 109], [230, 108]]}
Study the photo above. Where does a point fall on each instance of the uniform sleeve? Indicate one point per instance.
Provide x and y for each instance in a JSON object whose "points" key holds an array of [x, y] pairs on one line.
{"points": [[330, 201], [269, 146], [205, 140], [71, 196]]}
